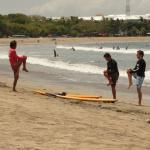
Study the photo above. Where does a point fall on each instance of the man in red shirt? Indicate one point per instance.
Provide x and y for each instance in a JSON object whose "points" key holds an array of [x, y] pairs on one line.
{"points": [[16, 61]]}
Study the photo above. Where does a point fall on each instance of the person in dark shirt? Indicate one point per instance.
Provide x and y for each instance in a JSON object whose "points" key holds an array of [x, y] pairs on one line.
{"points": [[112, 73], [138, 73]]}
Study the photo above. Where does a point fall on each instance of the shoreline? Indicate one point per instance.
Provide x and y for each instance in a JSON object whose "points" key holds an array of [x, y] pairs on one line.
{"points": [[82, 40], [48, 76], [42, 80]]}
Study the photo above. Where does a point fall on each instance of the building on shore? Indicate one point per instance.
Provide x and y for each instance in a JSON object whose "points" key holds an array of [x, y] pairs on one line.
{"points": [[101, 17]]}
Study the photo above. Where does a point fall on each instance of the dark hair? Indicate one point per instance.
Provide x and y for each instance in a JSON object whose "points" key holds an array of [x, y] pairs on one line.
{"points": [[140, 52], [106, 55], [13, 44]]}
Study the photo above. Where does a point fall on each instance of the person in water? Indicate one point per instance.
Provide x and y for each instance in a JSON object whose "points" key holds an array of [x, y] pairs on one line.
{"points": [[73, 49], [111, 73], [138, 73], [118, 48], [101, 47], [127, 47], [55, 53], [15, 62]]}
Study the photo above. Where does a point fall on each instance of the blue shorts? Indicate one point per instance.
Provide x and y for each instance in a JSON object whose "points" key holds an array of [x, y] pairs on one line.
{"points": [[139, 80]]}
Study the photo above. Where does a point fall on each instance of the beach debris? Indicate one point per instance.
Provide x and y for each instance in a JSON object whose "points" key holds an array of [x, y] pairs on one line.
{"points": [[3, 84], [148, 121]]}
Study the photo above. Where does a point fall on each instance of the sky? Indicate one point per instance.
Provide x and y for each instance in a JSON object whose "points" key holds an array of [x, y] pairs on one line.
{"points": [[49, 8]]}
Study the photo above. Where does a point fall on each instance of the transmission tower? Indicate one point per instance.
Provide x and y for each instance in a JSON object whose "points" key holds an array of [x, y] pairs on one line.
{"points": [[128, 7]]}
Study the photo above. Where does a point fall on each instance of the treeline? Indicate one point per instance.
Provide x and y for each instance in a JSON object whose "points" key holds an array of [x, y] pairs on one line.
{"points": [[37, 26]]}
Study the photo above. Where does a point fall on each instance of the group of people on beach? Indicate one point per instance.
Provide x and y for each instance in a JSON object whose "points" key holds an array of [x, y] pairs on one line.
{"points": [[111, 73], [138, 72]]}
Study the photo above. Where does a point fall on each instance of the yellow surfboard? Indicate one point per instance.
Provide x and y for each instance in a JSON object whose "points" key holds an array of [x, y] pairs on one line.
{"points": [[83, 96], [89, 98], [68, 95]]}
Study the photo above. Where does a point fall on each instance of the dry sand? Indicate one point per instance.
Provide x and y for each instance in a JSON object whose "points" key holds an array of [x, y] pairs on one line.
{"points": [[83, 40], [35, 122]]}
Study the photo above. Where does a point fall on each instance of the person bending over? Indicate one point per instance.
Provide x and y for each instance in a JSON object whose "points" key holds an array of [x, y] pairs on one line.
{"points": [[15, 62], [112, 73], [138, 73]]}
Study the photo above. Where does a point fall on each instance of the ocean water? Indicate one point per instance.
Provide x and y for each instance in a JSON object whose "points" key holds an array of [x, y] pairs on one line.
{"points": [[86, 63]]}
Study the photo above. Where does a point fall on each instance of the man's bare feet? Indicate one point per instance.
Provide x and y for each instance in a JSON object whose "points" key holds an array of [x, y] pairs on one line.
{"points": [[24, 69], [14, 90], [140, 104]]}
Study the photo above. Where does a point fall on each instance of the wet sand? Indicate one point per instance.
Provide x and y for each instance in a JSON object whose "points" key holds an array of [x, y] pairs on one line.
{"points": [[33, 122]]}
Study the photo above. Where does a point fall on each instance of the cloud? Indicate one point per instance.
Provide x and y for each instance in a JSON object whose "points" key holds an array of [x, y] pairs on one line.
{"points": [[73, 7], [140, 6], [89, 7]]}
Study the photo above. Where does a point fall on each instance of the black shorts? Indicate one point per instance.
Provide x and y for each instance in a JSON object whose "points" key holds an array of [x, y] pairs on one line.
{"points": [[114, 78]]}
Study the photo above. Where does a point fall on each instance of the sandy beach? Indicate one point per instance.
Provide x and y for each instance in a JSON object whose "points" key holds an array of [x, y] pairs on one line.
{"points": [[34, 122], [83, 40], [75, 75]]}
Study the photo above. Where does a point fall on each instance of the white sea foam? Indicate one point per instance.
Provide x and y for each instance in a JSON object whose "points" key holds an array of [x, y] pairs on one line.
{"points": [[3, 56], [82, 68], [96, 49]]}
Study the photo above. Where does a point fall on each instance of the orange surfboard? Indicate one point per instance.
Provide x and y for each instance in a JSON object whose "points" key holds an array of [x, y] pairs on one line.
{"points": [[89, 98]]}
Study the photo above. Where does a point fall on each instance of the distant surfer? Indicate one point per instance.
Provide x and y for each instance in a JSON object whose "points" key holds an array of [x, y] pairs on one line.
{"points": [[113, 47], [127, 47], [16, 62], [111, 73], [138, 73], [118, 48], [55, 53], [101, 47], [73, 49]]}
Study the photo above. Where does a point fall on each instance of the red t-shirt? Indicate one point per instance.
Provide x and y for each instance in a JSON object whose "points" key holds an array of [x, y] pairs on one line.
{"points": [[14, 58]]}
